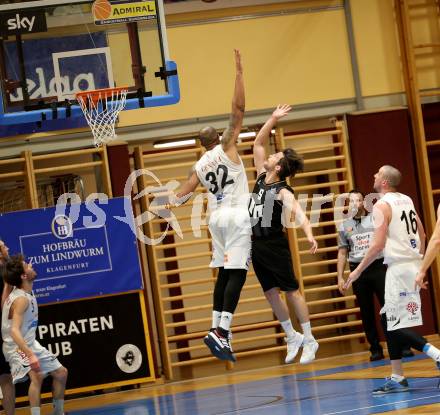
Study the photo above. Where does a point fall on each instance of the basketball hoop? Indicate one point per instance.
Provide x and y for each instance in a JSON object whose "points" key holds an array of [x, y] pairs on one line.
{"points": [[101, 108]]}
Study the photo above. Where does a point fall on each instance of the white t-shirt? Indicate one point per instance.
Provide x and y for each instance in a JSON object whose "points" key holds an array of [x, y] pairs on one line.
{"points": [[403, 242], [30, 319], [223, 178]]}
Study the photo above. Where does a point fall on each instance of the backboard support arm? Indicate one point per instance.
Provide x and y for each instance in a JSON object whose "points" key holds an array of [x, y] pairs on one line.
{"points": [[20, 55], [137, 67]]}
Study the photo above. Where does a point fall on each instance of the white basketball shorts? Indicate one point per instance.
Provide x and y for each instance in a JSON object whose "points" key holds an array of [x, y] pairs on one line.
{"points": [[403, 306], [231, 238], [19, 362]]}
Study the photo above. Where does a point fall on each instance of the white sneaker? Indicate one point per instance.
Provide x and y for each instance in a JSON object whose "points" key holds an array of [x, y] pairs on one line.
{"points": [[310, 347], [293, 345]]}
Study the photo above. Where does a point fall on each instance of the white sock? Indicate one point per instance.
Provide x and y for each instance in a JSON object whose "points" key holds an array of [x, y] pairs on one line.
{"points": [[397, 378], [307, 330], [35, 410], [216, 315], [58, 407], [432, 352], [226, 320], [288, 328]]}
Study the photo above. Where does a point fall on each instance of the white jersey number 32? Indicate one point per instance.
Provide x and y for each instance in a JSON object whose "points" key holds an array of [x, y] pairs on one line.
{"points": [[219, 179]]}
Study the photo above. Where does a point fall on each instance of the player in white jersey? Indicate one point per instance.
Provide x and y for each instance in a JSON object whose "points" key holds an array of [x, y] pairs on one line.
{"points": [[399, 233], [25, 355], [221, 171]]}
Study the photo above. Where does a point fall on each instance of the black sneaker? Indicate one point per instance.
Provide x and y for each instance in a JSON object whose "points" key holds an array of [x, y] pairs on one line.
{"points": [[218, 354], [219, 346], [376, 355]]}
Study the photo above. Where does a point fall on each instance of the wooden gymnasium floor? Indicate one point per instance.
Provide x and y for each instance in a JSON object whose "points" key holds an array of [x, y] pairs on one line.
{"points": [[326, 387]]}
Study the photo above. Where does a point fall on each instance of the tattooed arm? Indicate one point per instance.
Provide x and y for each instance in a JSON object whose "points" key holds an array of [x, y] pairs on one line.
{"points": [[230, 135]]}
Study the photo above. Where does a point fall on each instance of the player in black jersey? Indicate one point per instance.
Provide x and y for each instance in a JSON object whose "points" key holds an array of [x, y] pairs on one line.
{"points": [[8, 390], [271, 206]]}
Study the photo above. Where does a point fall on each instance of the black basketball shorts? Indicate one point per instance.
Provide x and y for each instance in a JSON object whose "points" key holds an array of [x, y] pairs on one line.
{"points": [[273, 264]]}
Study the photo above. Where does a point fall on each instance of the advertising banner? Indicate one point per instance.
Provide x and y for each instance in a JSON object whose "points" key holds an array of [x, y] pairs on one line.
{"points": [[22, 22], [82, 250], [124, 11], [100, 341]]}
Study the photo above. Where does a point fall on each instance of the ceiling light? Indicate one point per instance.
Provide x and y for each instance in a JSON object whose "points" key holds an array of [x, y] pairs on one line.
{"points": [[250, 134], [247, 134], [170, 144]]}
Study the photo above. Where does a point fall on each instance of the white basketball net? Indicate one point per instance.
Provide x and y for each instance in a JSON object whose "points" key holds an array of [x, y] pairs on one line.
{"points": [[101, 109]]}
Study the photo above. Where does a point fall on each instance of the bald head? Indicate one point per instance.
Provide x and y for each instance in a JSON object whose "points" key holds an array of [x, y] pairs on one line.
{"points": [[387, 179], [208, 137], [391, 175]]}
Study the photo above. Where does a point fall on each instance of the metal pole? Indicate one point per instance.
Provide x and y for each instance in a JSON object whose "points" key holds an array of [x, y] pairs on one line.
{"points": [[20, 53], [137, 67]]}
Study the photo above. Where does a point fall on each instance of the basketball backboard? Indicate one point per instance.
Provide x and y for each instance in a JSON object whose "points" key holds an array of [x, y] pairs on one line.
{"points": [[52, 49]]}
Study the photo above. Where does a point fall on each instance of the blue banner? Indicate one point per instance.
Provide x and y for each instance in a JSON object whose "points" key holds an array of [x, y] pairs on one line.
{"points": [[78, 251]]}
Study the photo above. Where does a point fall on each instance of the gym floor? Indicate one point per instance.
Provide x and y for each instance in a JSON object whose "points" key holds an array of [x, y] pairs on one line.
{"points": [[327, 387]]}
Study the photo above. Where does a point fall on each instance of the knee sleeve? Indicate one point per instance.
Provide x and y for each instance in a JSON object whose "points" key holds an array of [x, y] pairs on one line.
{"points": [[413, 339], [219, 289], [402, 338], [237, 278]]}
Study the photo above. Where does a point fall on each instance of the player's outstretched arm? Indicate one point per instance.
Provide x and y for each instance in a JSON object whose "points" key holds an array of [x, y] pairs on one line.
{"points": [[263, 136], [7, 289], [230, 135], [184, 194], [297, 216], [431, 252], [186, 190]]}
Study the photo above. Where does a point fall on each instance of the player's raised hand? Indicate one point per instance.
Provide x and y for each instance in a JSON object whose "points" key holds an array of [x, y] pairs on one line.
{"points": [[238, 65], [281, 111]]}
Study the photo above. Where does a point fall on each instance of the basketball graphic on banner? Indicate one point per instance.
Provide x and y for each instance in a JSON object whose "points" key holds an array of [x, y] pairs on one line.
{"points": [[102, 9], [129, 358]]}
